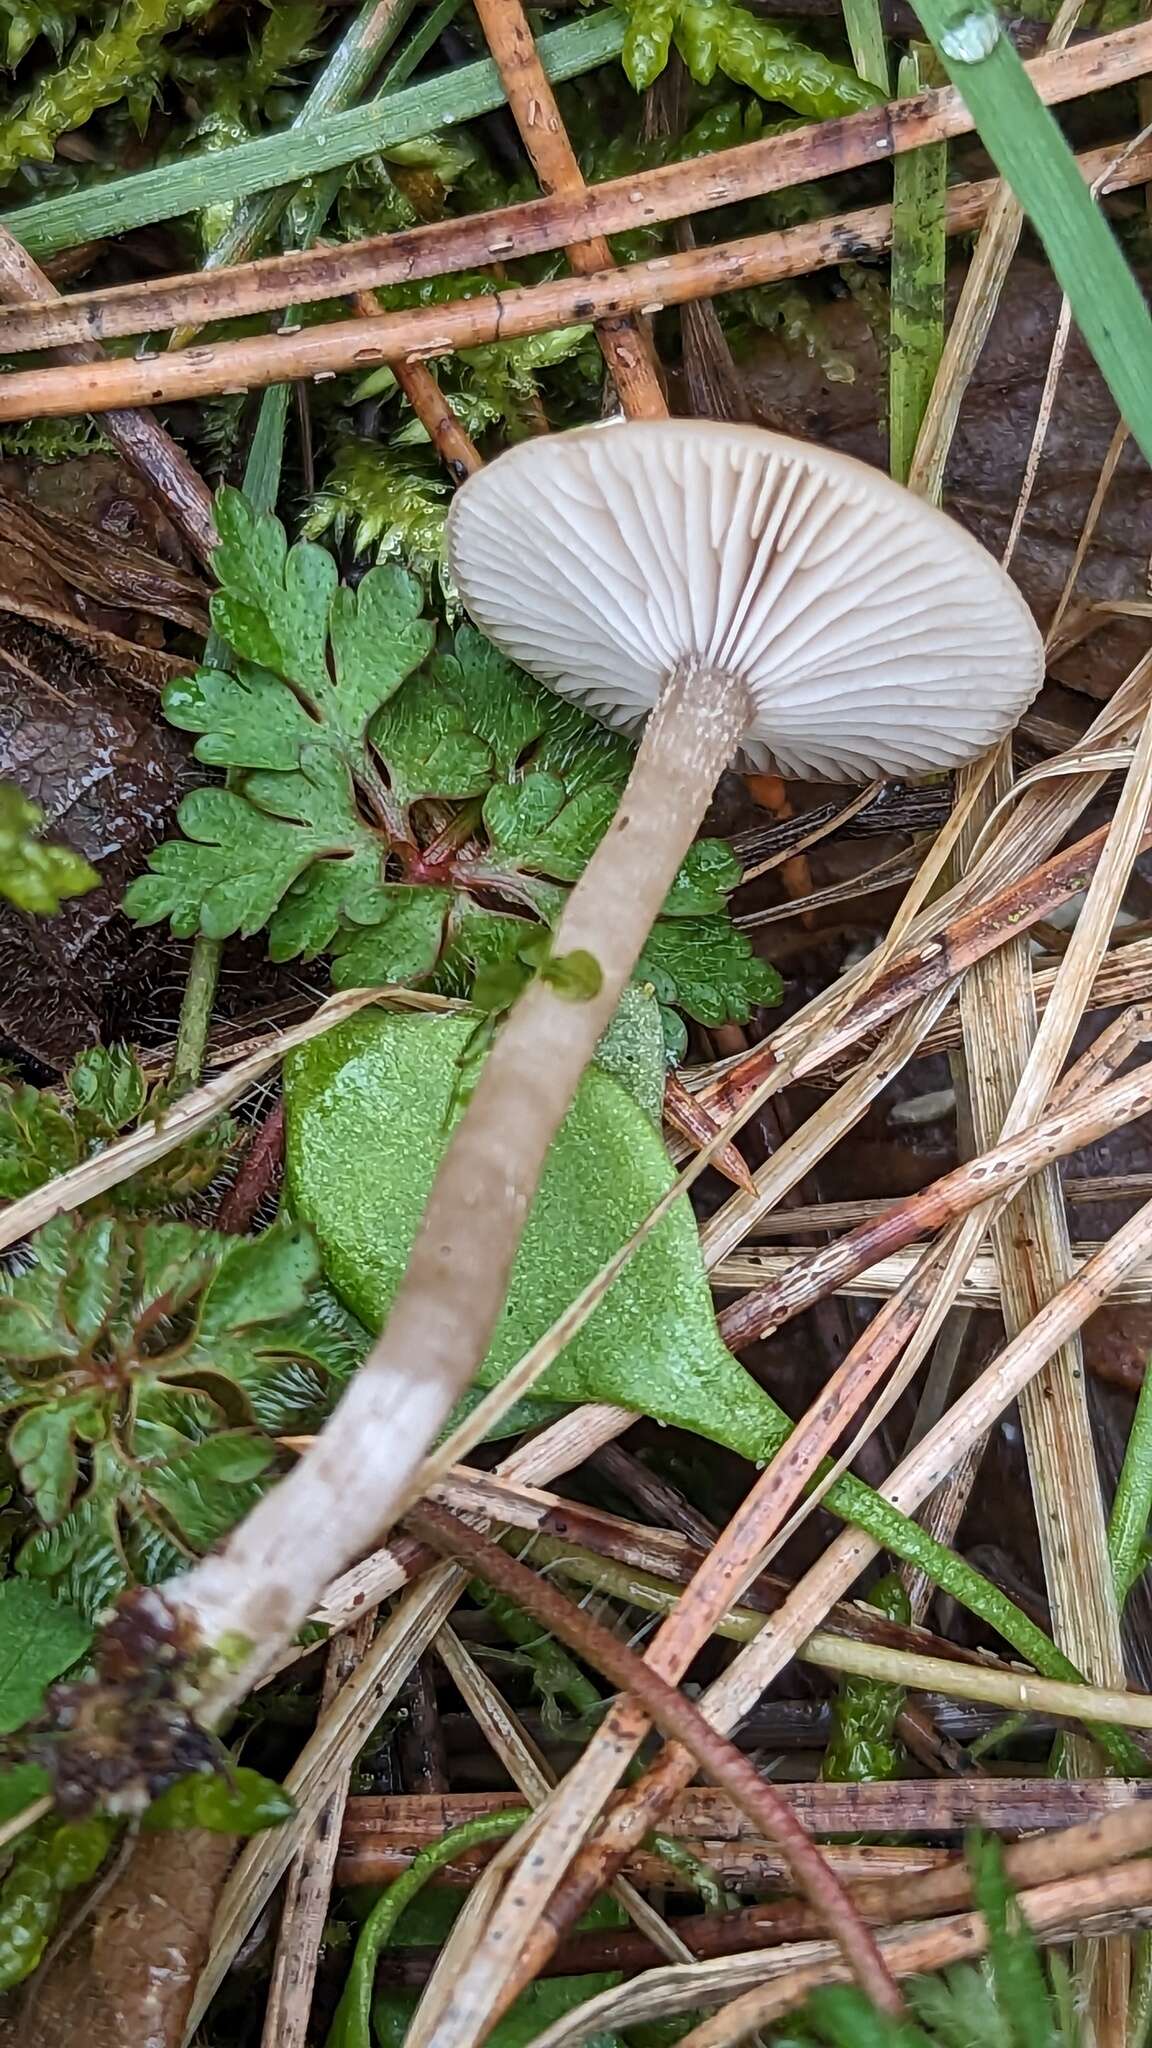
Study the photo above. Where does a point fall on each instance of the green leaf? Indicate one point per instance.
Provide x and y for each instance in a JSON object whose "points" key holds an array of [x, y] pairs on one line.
{"points": [[207, 1488], [503, 706], [378, 638], [714, 34], [152, 1366], [37, 1140], [259, 1280], [632, 1050], [706, 967], [236, 863], [535, 826], [246, 720], [34, 876], [404, 946], [21, 1784], [39, 1638], [919, 266], [425, 741], [108, 1087], [366, 1129], [708, 874], [649, 38], [240, 1802], [42, 1446], [272, 604]]}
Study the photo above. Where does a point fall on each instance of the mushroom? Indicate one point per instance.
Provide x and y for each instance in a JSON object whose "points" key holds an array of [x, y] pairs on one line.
{"points": [[746, 591]]}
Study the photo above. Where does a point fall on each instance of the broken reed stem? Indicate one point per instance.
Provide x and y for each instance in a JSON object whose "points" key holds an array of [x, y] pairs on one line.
{"points": [[149, 451], [1116, 1899], [995, 1172], [731, 1696], [530, 309], [881, 1902], [626, 348], [308, 1884], [691, 1119], [535, 227], [676, 1717]]}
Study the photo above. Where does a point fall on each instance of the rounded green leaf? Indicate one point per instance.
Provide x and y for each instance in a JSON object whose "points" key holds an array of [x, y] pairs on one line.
{"points": [[368, 1109]]}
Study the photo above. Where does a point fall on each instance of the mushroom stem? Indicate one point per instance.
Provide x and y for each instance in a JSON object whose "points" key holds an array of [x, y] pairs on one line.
{"points": [[358, 1476]]}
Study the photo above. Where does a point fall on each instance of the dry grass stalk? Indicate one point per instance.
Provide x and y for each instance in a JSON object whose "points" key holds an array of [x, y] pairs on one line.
{"points": [[147, 448], [231, 366], [731, 1696], [998, 1172], [308, 1884], [1120, 1898], [979, 1286], [343, 1729], [1068, 1827], [625, 346], [680, 1720], [535, 227], [192, 1113]]}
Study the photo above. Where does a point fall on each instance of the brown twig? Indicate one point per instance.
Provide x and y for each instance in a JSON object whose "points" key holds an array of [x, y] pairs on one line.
{"points": [[678, 1718], [258, 1176], [693, 1122], [626, 348], [881, 1902], [456, 448], [145, 446], [995, 1172], [537, 226], [425, 331]]}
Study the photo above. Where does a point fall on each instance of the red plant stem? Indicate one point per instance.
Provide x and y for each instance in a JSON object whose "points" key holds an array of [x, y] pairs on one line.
{"points": [[679, 1720], [258, 1176]]}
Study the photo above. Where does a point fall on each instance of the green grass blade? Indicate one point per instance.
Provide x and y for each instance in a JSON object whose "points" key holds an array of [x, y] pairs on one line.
{"points": [[919, 258], [1132, 1505], [344, 78], [295, 154], [865, 32], [1030, 152]]}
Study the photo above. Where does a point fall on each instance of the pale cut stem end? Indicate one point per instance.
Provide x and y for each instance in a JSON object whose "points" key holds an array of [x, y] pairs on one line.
{"points": [[356, 1479]]}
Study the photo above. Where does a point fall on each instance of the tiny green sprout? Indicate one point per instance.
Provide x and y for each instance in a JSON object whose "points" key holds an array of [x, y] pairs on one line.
{"points": [[576, 976]]}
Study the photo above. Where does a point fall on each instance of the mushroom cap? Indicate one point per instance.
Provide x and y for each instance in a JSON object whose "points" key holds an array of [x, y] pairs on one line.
{"points": [[873, 634]]}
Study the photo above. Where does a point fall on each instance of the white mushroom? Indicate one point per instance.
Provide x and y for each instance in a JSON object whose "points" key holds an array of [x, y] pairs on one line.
{"points": [[745, 590], [869, 633]]}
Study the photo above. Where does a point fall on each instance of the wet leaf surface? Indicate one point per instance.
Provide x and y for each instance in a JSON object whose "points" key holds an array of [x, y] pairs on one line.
{"points": [[85, 746]]}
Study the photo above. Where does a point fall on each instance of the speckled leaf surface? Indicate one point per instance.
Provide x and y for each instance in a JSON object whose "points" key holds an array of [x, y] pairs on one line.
{"points": [[366, 1127]]}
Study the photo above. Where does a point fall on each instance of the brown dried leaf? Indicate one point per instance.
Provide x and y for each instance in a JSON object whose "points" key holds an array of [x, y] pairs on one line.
{"points": [[108, 775]]}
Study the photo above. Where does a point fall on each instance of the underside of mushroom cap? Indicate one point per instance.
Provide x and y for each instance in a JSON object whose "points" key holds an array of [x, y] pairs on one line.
{"points": [[873, 634]]}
